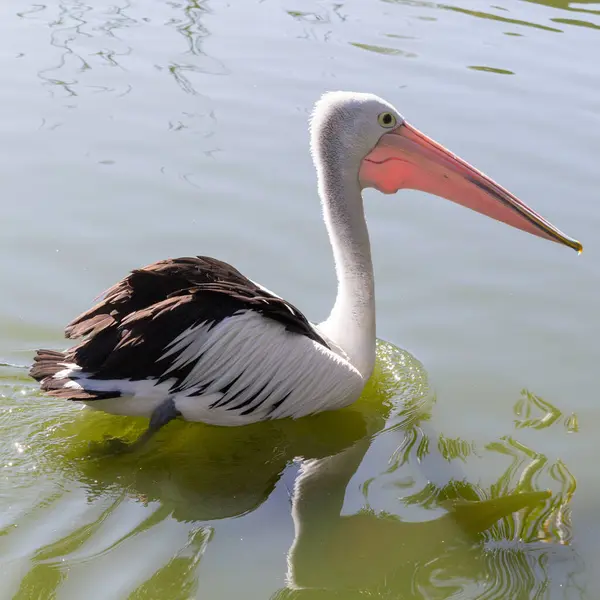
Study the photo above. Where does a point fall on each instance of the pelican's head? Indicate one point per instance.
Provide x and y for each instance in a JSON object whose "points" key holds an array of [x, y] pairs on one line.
{"points": [[363, 137]]}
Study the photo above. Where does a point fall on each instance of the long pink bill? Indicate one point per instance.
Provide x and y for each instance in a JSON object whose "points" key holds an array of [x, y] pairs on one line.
{"points": [[407, 158]]}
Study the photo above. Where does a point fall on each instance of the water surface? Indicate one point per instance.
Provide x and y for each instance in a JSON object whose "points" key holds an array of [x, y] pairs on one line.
{"points": [[138, 131]]}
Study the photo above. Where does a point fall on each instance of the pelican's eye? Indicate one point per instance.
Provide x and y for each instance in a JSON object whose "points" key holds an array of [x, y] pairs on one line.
{"points": [[387, 120]]}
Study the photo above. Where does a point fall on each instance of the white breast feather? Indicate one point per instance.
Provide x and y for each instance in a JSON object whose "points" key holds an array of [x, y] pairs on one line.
{"points": [[263, 362]]}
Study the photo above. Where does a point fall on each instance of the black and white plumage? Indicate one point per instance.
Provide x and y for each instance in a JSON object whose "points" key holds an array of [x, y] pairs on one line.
{"points": [[193, 337], [224, 349]]}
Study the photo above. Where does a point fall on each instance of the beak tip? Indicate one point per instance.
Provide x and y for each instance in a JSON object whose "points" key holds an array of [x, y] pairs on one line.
{"points": [[571, 243]]}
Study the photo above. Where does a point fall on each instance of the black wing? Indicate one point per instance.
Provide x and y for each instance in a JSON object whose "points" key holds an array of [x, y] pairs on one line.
{"points": [[127, 333]]}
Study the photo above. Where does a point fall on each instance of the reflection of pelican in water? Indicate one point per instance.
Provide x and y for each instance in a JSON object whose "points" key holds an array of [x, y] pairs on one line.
{"points": [[204, 476], [366, 551]]}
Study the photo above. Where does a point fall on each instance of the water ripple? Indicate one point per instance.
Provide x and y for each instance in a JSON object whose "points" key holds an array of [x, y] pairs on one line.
{"points": [[491, 70], [493, 17], [384, 50]]}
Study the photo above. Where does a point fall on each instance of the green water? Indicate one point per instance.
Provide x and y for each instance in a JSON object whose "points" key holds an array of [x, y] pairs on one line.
{"points": [[137, 131]]}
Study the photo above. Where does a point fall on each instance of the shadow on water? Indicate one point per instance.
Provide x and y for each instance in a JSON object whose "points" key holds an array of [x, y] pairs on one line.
{"points": [[510, 539]]}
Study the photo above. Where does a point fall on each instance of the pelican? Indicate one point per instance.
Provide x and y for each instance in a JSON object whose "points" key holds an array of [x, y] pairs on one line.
{"points": [[193, 338]]}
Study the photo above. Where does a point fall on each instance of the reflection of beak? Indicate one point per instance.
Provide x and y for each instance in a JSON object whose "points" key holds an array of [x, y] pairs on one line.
{"points": [[406, 158], [475, 516]]}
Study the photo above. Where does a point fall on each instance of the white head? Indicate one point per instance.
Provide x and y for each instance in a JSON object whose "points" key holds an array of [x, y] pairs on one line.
{"points": [[346, 126], [359, 140]]}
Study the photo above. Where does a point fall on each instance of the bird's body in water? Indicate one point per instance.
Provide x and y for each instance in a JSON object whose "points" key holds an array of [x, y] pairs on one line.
{"points": [[194, 338]]}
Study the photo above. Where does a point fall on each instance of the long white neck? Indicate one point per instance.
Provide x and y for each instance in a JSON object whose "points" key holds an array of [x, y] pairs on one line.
{"points": [[351, 323]]}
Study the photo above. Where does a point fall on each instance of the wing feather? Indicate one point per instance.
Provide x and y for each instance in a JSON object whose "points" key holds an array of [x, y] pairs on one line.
{"points": [[231, 350], [270, 373]]}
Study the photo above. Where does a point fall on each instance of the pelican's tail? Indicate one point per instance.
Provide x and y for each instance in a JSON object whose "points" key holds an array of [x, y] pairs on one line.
{"points": [[63, 379]]}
